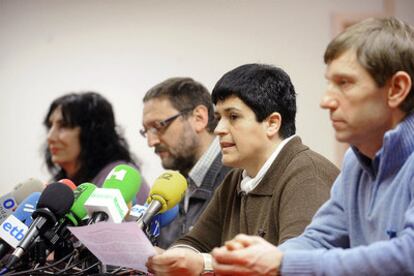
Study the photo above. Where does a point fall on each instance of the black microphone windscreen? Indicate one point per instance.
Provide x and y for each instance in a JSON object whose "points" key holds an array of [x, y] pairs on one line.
{"points": [[57, 197]]}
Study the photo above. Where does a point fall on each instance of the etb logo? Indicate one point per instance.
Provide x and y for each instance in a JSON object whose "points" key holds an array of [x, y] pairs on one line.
{"points": [[12, 230]]}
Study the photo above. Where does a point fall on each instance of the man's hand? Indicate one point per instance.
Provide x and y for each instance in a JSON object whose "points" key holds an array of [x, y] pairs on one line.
{"points": [[176, 261], [247, 255]]}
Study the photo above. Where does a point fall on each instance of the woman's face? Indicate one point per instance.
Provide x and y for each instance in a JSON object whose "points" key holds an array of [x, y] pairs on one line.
{"points": [[243, 140], [63, 142]]}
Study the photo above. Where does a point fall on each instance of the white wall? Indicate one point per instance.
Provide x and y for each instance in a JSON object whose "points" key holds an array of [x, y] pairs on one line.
{"points": [[122, 48]]}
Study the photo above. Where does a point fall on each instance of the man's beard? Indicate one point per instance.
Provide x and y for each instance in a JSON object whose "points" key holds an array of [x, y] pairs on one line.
{"points": [[183, 164], [183, 157]]}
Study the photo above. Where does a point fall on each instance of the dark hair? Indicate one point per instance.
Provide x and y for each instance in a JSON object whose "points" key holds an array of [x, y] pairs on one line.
{"points": [[265, 89], [383, 46], [184, 94], [99, 140]]}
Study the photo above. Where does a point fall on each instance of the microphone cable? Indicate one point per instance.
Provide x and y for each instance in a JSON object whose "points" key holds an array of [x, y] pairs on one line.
{"points": [[61, 272], [128, 271], [116, 270], [86, 269], [30, 271]]}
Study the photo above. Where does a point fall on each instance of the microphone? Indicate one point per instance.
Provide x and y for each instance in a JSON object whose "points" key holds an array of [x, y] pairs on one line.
{"points": [[78, 211], [58, 237], [159, 221], [14, 228], [26, 208], [162, 219], [156, 223], [136, 212], [53, 204], [9, 202], [126, 179], [167, 217], [75, 215], [167, 191], [68, 183], [109, 203]]}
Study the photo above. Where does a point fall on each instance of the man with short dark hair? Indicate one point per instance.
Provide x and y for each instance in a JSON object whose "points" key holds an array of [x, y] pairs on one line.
{"points": [[178, 123], [367, 226], [279, 183]]}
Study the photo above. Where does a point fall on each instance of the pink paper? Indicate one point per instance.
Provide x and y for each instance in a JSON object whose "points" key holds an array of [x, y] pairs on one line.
{"points": [[117, 244]]}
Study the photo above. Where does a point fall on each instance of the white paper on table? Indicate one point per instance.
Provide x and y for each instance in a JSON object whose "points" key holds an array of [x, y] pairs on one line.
{"points": [[118, 244]]}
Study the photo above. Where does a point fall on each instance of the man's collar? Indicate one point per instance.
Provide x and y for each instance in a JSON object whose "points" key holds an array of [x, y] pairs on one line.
{"points": [[199, 170]]}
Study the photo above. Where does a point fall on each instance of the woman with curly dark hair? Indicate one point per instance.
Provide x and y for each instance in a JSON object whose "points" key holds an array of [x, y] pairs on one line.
{"points": [[83, 143]]}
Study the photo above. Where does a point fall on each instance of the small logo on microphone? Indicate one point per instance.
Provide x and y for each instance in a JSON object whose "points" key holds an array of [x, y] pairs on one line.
{"points": [[118, 175], [29, 208], [12, 230]]}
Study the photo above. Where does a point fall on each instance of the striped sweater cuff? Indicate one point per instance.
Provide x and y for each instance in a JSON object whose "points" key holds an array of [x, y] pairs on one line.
{"points": [[299, 262]]}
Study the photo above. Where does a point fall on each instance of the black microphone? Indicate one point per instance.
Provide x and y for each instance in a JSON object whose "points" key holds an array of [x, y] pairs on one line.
{"points": [[57, 238], [53, 204]]}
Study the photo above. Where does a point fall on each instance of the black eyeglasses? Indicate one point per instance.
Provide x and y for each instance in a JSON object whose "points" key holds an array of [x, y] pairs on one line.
{"points": [[160, 126]]}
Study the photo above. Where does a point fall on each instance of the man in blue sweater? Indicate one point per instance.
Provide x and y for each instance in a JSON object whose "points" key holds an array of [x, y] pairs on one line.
{"points": [[367, 226]]}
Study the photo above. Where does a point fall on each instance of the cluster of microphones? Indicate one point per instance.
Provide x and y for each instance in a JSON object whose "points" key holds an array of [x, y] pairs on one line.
{"points": [[35, 218]]}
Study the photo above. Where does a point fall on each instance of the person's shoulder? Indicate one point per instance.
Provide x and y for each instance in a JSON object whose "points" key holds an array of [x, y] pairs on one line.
{"points": [[409, 164], [350, 161], [306, 157], [410, 159]]}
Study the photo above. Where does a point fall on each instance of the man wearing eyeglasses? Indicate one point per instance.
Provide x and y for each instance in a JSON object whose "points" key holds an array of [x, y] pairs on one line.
{"points": [[278, 183], [178, 122]]}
